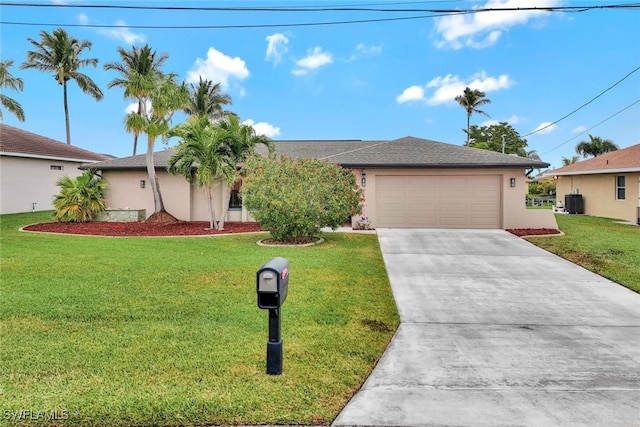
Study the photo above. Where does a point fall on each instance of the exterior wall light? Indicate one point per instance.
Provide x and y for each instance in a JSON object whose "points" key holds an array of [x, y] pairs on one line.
{"points": [[512, 182], [363, 178], [142, 183]]}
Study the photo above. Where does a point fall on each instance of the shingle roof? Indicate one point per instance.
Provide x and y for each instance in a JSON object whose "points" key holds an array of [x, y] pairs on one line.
{"points": [[403, 152], [624, 160], [20, 143], [409, 152]]}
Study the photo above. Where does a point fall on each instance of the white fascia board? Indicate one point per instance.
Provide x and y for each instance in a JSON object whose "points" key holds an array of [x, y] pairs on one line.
{"points": [[593, 172], [36, 156]]}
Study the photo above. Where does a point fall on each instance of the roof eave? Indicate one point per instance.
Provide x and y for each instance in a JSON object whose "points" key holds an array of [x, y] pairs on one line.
{"points": [[42, 157], [442, 165], [595, 171]]}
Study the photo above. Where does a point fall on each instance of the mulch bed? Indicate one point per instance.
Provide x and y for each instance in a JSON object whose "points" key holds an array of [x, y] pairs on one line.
{"points": [[533, 231], [180, 228]]}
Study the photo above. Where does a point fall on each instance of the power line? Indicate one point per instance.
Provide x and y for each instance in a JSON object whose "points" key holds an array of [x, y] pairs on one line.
{"points": [[583, 105], [343, 8], [433, 13], [592, 127], [209, 27]]}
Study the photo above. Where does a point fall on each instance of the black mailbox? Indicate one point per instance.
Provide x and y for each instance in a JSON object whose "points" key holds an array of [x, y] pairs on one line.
{"points": [[272, 283]]}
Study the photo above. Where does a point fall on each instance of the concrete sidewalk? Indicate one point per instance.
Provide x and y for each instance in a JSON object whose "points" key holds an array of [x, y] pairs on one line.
{"points": [[495, 331]]}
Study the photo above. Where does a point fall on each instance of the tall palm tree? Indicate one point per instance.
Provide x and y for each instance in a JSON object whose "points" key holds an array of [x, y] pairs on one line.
{"points": [[202, 156], [59, 53], [470, 100], [595, 146], [13, 83], [207, 100], [137, 71], [166, 98], [241, 141]]}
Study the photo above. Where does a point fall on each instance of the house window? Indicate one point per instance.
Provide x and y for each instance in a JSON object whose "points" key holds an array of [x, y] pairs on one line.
{"points": [[56, 167], [620, 187], [235, 202]]}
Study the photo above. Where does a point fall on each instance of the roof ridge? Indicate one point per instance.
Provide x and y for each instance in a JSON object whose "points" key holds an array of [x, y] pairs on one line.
{"points": [[356, 149]]}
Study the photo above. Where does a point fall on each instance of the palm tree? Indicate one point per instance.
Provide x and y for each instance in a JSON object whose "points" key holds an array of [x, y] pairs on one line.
{"points": [[137, 71], [202, 157], [470, 100], [595, 146], [166, 98], [242, 141], [79, 198], [206, 100], [566, 161], [13, 83], [59, 53]]}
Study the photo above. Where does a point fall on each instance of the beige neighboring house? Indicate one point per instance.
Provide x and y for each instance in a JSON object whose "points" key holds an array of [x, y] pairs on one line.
{"points": [[609, 184], [31, 164], [407, 182]]}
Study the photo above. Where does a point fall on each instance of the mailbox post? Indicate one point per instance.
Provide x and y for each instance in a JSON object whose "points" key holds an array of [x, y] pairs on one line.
{"points": [[272, 283]]}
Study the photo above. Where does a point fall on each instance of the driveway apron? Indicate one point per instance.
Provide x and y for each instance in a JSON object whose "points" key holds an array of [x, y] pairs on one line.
{"points": [[495, 331]]}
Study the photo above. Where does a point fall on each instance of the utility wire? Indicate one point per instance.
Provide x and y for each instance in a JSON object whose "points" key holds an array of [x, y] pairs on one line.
{"points": [[583, 105], [347, 8], [432, 14], [201, 27], [592, 127]]}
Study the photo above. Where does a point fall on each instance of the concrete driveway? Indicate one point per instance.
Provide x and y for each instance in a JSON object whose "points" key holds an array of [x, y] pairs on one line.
{"points": [[495, 331]]}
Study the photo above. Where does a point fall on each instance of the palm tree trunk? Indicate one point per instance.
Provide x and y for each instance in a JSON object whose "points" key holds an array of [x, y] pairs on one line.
{"points": [[136, 134], [468, 126], [212, 213], [66, 111], [226, 195], [153, 179]]}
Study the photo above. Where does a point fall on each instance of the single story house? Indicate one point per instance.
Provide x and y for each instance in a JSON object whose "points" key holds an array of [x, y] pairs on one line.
{"points": [[407, 182], [31, 164], [609, 184]]}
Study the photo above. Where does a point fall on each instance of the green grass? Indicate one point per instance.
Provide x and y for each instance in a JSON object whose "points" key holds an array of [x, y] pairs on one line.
{"points": [[601, 245], [166, 331]]}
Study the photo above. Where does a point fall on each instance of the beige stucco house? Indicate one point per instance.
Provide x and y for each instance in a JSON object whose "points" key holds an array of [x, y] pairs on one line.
{"points": [[407, 182], [609, 184], [31, 164]]}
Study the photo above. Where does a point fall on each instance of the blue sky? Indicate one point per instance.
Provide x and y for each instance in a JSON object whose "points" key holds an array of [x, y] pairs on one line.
{"points": [[375, 80]]}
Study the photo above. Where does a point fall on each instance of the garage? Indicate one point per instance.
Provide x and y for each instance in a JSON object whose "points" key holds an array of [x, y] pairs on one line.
{"points": [[439, 201]]}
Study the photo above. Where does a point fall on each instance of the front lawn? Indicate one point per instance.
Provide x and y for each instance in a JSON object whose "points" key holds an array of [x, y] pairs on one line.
{"points": [[599, 244], [102, 331]]}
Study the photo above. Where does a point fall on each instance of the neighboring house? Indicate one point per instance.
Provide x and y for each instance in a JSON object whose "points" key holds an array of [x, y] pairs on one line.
{"points": [[407, 182], [609, 184], [31, 164]]}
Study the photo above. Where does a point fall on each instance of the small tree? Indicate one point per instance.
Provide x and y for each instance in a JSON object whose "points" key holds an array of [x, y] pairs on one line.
{"points": [[294, 198], [80, 198], [491, 138]]}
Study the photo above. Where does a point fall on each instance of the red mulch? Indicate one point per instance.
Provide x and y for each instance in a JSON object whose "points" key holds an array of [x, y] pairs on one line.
{"points": [[533, 231], [180, 228]]}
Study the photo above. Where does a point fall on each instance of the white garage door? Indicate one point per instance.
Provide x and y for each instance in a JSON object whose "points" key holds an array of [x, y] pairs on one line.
{"points": [[439, 201]]}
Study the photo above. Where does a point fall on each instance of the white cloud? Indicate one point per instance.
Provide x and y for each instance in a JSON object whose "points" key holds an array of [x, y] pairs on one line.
{"points": [[483, 29], [276, 47], [511, 120], [263, 128], [579, 129], [218, 67], [545, 127], [363, 51], [413, 93], [122, 32], [446, 88], [315, 58]]}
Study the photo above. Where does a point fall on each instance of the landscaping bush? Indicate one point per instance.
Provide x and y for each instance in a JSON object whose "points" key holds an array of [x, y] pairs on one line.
{"points": [[294, 198], [80, 198]]}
